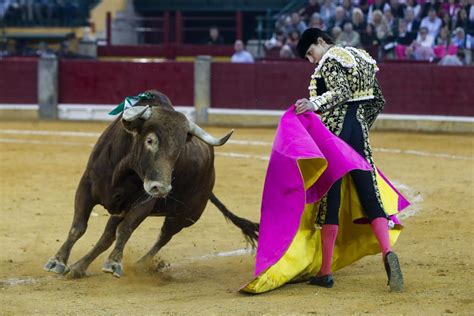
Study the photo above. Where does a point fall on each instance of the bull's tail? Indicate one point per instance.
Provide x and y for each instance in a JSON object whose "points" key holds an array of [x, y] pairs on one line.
{"points": [[249, 229]]}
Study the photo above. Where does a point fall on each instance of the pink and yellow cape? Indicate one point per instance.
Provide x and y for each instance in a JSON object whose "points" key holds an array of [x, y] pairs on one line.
{"points": [[306, 160]]}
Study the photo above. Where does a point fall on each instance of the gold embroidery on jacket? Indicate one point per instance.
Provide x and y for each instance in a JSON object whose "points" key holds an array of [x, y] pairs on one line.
{"points": [[358, 68]]}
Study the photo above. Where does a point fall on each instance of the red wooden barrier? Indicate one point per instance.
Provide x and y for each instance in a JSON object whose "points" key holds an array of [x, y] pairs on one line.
{"points": [[427, 89], [409, 88], [18, 81], [93, 82], [272, 85]]}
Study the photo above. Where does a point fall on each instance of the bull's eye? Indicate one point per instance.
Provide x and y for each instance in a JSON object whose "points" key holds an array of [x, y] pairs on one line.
{"points": [[151, 142]]}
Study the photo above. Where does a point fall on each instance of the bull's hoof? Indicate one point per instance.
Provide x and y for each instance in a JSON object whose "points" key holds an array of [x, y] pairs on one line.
{"points": [[54, 265], [113, 267], [75, 273]]}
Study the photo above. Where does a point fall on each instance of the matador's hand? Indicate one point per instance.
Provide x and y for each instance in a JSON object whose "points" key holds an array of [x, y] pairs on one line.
{"points": [[304, 105]]}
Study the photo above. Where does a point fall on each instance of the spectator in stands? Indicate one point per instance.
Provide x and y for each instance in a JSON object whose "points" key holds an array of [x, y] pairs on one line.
{"points": [[403, 40], [358, 21], [286, 24], [336, 31], [311, 8], [349, 37], [65, 50], [412, 23], [415, 7], [430, 5], [296, 24], [339, 19], [276, 42], [462, 20], [388, 32], [396, 8], [214, 37], [364, 6], [392, 23], [443, 44], [292, 40], [462, 40], [443, 37], [378, 5], [369, 39], [241, 55], [445, 19], [422, 48], [280, 23], [383, 32], [380, 25], [451, 8], [328, 11], [286, 52], [432, 23], [317, 22], [88, 35], [347, 5], [403, 36]]}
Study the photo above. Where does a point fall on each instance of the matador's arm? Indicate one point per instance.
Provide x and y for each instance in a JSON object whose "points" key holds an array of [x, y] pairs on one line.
{"points": [[338, 89], [375, 106]]}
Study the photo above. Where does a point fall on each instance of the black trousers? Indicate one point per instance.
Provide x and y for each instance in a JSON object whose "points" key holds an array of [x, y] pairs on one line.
{"points": [[353, 135]]}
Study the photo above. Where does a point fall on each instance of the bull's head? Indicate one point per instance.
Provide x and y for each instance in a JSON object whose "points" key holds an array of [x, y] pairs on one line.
{"points": [[160, 134]]}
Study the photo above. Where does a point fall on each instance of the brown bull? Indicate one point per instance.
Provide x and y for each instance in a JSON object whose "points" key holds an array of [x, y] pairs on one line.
{"points": [[151, 161]]}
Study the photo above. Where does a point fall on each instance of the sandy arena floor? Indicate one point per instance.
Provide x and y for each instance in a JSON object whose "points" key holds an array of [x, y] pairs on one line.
{"points": [[39, 174]]}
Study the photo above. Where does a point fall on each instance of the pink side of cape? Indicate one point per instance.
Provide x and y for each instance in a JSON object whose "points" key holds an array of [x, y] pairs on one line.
{"points": [[284, 196]]}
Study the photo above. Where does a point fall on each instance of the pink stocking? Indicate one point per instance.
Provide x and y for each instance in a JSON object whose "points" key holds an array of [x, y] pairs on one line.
{"points": [[328, 239], [380, 228]]}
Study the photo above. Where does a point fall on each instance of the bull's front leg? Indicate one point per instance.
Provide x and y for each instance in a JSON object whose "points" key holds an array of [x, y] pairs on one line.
{"points": [[124, 230], [78, 269], [82, 210]]}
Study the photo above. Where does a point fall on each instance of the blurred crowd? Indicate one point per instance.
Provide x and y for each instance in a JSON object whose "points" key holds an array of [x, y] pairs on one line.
{"points": [[40, 12], [389, 29]]}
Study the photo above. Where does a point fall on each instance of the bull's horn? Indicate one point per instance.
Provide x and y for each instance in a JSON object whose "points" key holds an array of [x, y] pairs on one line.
{"points": [[136, 112], [195, 130]]}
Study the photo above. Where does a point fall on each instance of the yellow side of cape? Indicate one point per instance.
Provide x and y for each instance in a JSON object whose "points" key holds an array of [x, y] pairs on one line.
{"points": [[354, 241]]}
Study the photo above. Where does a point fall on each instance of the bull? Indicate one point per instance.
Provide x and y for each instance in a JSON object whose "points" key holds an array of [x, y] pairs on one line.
{"points": [[151, 161]]}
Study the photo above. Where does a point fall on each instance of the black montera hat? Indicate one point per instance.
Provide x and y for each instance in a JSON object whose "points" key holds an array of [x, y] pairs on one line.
{"points": [[310, 36]]}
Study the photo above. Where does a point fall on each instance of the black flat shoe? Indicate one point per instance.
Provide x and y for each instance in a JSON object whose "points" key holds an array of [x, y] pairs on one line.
{"points": [[324, 281], [394, 273]]}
